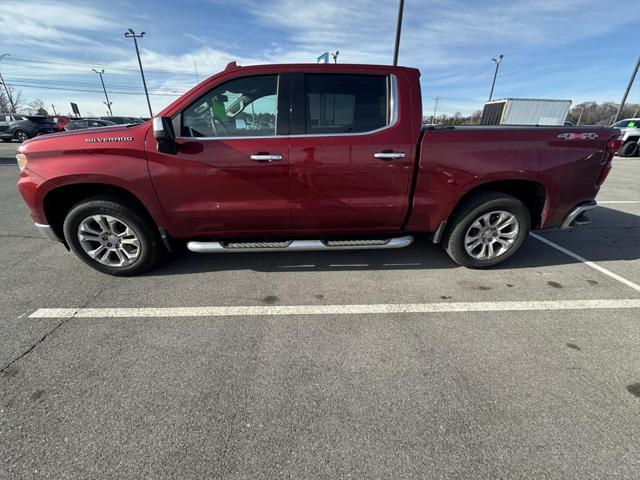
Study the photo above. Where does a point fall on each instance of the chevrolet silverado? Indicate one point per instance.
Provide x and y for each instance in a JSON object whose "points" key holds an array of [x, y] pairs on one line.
{"points": [[307, 157]]}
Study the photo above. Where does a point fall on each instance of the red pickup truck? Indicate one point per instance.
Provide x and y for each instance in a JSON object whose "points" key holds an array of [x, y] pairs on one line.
{"points": [[307, 157]]}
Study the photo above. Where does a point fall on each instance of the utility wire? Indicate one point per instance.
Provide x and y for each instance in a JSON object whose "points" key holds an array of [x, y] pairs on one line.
{"points": [[86, 84], [113, 67], [91, 91]]}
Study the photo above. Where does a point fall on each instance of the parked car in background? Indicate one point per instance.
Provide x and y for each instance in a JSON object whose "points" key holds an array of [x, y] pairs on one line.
{"points": [[82, 123], [24, 127], [122, 120], [630, 136], [60, 121]]}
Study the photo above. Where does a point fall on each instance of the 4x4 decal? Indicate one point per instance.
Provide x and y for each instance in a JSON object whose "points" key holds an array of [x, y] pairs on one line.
{"points": [[578, 136]]}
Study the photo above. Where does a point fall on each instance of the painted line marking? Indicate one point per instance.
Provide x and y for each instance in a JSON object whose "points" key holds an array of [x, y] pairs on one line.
{"points": [[335, 309], [296, 266], [613, 202], [589, 263], [401, 264]]}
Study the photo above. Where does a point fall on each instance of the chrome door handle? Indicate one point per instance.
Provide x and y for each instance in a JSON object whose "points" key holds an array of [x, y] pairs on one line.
{"points": [[265, 157], [388, 155]]}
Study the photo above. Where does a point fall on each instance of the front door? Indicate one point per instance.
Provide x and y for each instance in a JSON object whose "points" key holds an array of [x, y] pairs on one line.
{"points": [[230, 175], [351, 162]]}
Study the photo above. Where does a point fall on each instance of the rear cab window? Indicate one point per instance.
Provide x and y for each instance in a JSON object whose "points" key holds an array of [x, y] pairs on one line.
{"points": [[342, 103]]}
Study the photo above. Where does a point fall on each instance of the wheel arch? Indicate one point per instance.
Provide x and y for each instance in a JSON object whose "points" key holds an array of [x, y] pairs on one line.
{"points": [[531, 193], [58, 202]]}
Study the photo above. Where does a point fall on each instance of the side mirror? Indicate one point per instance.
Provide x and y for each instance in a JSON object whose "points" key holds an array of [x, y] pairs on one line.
{"points": [[164, 134]]}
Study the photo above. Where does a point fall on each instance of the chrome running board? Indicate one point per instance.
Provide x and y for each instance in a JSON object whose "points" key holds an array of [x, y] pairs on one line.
{"points": [[299, 245]]}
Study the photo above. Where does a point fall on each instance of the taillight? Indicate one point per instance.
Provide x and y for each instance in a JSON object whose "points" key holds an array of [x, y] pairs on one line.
{"points": [[614, 144]]}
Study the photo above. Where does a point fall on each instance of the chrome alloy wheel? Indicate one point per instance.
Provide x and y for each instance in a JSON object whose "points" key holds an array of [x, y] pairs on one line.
{"points": [[108, 240], [491, 235]]}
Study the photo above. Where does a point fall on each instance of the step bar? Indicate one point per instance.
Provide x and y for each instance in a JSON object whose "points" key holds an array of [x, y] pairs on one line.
{"points": [[299, 245]]}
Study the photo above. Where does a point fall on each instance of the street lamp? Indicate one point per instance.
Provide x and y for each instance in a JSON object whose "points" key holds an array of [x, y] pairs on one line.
{"points": [[396, 49], [13, 107], [107, 103], [131, 34], [497, 62]]}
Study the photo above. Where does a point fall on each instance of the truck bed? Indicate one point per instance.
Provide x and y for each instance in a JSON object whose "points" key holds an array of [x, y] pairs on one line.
{"points": [[564, 164]]}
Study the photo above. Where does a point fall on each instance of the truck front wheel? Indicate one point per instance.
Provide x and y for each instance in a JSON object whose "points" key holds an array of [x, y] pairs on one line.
{"points": [[111, 237], [487, 229]]}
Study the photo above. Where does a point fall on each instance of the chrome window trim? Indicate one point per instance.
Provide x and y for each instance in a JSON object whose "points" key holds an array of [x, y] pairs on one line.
{"points": [[393, 120]]}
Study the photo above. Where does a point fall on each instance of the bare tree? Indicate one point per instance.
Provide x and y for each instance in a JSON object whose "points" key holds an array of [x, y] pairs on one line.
{"points": [[36, 107], [15, 97], [592, 113]]}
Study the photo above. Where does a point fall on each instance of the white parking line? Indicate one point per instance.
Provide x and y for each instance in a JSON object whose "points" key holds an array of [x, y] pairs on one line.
{"points": [[269, 311], [613, 202], [589, 263]]}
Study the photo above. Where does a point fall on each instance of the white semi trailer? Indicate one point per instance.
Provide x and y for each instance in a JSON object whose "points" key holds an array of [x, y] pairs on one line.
{"points": [[525, 111]]}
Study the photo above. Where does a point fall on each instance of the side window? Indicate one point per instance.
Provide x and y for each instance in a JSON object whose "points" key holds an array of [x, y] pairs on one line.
{"points": [[238, 108], [345, 103]]}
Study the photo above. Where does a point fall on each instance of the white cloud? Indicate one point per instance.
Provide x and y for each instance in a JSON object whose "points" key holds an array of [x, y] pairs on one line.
{"points": [[51, 23]]}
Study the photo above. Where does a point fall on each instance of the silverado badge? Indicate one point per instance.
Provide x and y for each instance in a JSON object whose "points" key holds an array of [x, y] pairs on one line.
{"points": [[108, 139]]}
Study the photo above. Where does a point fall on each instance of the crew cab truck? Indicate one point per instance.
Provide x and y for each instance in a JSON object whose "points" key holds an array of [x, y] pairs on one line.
{"points": [[307, 157]]}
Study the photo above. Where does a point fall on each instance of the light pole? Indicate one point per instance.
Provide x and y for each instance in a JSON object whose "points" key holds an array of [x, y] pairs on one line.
{"points": [[132, 34], [13, 107], [498, 62], [580, 116], [626, 92], [107, 103], [435, 108], [396, 50]]}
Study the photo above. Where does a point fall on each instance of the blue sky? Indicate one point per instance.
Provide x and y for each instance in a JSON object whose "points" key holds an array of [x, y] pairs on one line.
{"points": [[574, 49]]}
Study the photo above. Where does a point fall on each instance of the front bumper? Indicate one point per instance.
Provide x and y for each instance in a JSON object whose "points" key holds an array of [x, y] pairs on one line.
{"points": [[47, 232], [574, 216]]}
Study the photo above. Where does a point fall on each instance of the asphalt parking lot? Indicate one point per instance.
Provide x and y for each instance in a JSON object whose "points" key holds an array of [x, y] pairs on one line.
{"points": [[414, 380]]}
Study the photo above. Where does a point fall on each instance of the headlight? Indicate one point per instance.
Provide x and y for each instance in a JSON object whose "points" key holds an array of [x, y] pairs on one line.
{"points": [[22, 161]]}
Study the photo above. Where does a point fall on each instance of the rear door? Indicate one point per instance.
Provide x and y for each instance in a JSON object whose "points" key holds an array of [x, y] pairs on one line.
{"points": [[230, 175], [351, 158]]}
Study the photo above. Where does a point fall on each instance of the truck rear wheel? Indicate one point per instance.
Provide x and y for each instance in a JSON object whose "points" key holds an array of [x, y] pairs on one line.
{"points": [[111, 237], [486, 230]]}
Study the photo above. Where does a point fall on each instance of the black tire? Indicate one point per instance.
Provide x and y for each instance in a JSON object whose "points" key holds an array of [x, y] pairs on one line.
{"points": [[151, 248], [474, 208], [629, 149], [21, 136]]}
